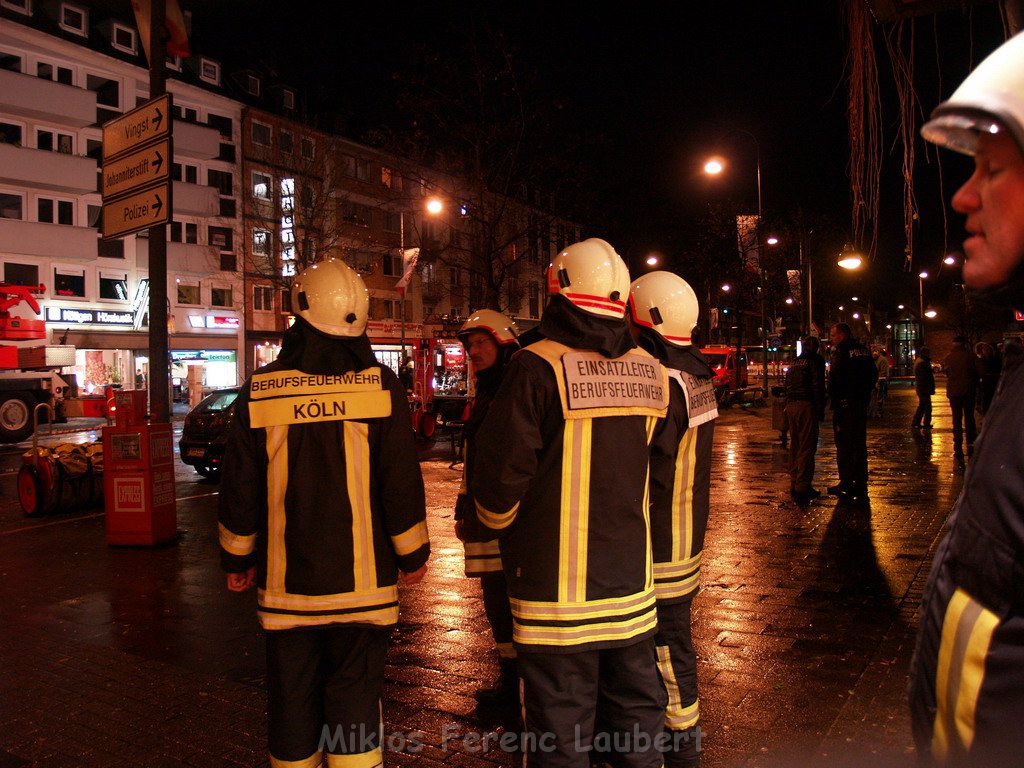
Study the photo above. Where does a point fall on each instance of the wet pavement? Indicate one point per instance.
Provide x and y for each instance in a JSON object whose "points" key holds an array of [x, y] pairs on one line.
{"points": [[804, 625]]}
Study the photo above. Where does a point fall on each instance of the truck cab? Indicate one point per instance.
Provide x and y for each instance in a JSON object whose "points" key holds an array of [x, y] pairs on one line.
{"points": [[723, 362]]}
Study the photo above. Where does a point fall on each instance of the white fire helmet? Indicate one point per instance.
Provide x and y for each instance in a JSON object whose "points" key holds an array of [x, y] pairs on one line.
{"points": [[332, 297], [502, 329], [666, 304], [990, 100], [592, 276]]}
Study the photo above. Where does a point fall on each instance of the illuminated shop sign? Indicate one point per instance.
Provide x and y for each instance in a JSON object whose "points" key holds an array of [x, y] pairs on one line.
{"points": [[214, 321], [89, 316], [203, 355], [288, 227]]}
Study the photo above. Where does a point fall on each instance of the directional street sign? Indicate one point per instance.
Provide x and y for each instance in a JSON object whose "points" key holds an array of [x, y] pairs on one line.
{"points": [[138, 152], [143, 124], [137, 211], [140, 168]]}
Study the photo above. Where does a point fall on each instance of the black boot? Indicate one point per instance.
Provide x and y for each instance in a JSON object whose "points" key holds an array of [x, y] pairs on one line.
{"points": [[506, 690]]}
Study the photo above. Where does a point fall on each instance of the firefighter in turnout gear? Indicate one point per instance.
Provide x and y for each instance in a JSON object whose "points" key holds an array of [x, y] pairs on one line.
{"points": [[967, 675], [663, 312], [490, 339], [561, 476], [322, 508]]}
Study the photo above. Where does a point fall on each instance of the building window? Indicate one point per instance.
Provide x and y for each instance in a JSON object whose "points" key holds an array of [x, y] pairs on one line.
{"points": [[69, 283], [307, 148], [189, 230], [222, 180], [355, 167], [356, 213], [223, 124], [285, 142], [10, 133], [21, 274], [188, 114], [108, 92], [10, 61], [261, 242], [114, 286], [49, 71], [55, 141], [228, 262], [124, 38], [392, 265], [288, 99], [260, 134], [392, 221], [173, 62], [12, 205], [263, 298], [261, 185], [385, 176], [220, 297], [21, 6], [209, 71], [74, 19], [306, 197], [53, 211], [252, 84], [534, 290], [286, 301], [186, 173], [188, 293], [221, 237]]}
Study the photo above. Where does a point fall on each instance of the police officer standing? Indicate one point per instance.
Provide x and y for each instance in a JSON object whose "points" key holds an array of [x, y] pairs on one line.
{"points": [[663, 311], [322, 507], [805, 408], [967, 675], [851, 379], [561, 476], [490, 340]]}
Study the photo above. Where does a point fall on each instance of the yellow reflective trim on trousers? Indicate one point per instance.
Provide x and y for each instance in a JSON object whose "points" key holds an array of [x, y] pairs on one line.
{"points": [[587, 633], [357, 476], [496, 521], [966, 635], [313, 761], [482, 548], [411, 539], [360, 760], [234, 544], [310, 409], [277, 485], [668, 590], [385, 617], [677, 716], [682, 496], [678, 567]]}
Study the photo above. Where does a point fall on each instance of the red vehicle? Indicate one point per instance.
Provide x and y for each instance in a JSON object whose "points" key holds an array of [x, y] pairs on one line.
{"points": [[723, 362], [440, 385]]}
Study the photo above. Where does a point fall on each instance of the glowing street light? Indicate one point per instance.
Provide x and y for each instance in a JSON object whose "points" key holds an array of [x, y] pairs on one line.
{"points": [[434, 206], [714, 166], [849, 258], [951, 260], [772, 240], [930, 313], [652, 260], [726, 287]]}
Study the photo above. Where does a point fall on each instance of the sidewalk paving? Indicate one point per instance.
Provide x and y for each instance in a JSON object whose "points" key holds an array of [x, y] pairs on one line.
{"points": [[804, 625]]}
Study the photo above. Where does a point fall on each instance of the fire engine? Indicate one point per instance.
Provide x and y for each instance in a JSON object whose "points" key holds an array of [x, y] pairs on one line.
{"points": [[28, 375]]}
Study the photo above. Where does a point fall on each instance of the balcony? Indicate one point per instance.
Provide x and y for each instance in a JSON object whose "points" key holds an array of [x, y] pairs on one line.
{"points": [[34, 97], [198, 141], [43, 169], [196, 200], [182, 258], [50, 241]]}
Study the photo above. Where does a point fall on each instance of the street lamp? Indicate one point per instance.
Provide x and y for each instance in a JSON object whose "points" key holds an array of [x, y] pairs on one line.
{"points": [[849, 258], [713, 167], [920, 296]]}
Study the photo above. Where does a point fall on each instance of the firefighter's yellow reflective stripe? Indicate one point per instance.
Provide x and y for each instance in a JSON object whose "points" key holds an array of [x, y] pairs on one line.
{"points": [[677, 716], [574, 515], [384, 617], [482, 548], [359, 760], [234, 544], [298, 383], [347, 601], [505, 650], [678, 588], [357, 476], [677, 568], [552, 352], [494, 520], [310, 409], [588, 633], [646, 507], [483, 566], [277, 485], [966, 635], [591, 609], [313, 761], [412, 539], [682, 496]]}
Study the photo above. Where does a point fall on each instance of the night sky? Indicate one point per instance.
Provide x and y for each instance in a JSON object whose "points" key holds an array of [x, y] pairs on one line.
{"points": [[652, 88]]}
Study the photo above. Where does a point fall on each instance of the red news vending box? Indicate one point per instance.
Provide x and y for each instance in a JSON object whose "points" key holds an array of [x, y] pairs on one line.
{"points": [[138, 484]]}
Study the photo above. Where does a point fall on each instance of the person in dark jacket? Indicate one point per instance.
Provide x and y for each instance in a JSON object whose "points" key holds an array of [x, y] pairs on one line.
{"points": [[990, 365], [924, 387], [851, 380], [961, 367], [322, 508], [561, 476], [490, 340], [662, 312], [805, 408], [967, 674]]}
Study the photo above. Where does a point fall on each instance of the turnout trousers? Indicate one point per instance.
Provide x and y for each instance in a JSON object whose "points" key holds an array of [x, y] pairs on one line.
{"points": [[323, 691], [677, 663], [560, 697], [803, 444]]}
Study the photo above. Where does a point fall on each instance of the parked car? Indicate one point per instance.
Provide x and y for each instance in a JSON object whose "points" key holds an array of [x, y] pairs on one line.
{"points": [[204, 434]]}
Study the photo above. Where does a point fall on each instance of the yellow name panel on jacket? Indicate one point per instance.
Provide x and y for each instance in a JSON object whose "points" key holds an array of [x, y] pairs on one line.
{"points": [[292, 397]]}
